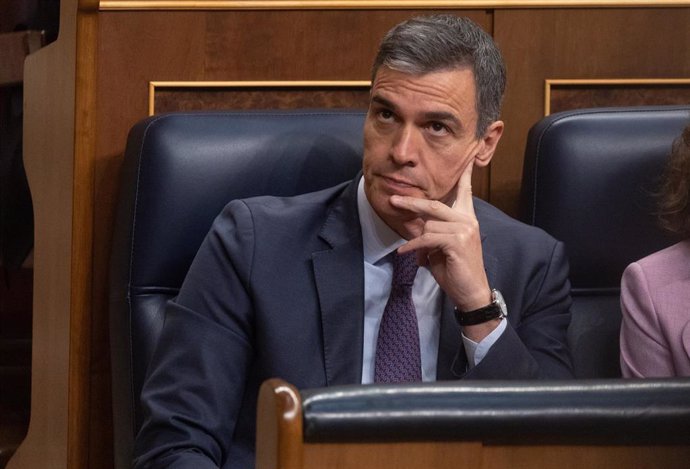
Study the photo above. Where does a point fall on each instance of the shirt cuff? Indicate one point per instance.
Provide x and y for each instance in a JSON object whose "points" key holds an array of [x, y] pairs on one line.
{"points": [[476, 351]]}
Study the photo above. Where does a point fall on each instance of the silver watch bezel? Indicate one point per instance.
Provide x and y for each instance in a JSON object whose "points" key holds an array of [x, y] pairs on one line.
{"points": [[497, 299]]}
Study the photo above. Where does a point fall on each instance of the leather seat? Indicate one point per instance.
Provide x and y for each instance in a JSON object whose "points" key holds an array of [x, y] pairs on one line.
{"points": [[179, 171], [588, 180]]}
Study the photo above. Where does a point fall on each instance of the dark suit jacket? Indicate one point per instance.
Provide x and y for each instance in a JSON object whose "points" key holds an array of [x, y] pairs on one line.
{"points": [[277, 290]]}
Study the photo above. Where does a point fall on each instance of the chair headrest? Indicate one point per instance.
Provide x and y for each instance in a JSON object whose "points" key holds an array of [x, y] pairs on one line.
{"points": [[187, 166], [588, 180]]}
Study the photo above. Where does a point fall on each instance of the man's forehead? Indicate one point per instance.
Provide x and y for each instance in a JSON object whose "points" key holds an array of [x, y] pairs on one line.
{"points": [[387, 70], [444, 81], [440, 93]]}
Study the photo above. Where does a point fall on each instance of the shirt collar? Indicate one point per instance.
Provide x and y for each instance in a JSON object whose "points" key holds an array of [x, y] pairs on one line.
{"points": [[378, 239]]}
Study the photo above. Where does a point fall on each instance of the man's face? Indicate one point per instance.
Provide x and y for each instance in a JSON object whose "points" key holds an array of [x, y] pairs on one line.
{"points": [[419, 136]]}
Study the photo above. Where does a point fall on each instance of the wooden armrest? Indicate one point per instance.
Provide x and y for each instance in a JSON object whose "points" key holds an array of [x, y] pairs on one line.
{"points": [[279, 421]]}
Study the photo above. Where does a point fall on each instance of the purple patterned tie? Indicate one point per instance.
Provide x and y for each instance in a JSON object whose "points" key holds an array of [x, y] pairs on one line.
{"points": [[397, 349]]}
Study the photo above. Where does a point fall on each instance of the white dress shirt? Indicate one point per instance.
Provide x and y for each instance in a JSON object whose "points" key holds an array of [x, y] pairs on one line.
{"points": [[379, 242]]}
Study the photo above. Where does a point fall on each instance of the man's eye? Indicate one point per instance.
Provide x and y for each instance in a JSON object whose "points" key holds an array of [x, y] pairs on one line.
{"points": [[385, 115], [438, 129]]}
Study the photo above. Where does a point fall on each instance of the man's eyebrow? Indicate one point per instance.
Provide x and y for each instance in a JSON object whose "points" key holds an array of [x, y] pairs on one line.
{"points": [[382, 101], [440, 116], [443, 117]]}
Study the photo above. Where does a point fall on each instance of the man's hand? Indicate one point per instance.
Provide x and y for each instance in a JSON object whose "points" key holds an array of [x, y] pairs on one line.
{"points": [[450, 246]]}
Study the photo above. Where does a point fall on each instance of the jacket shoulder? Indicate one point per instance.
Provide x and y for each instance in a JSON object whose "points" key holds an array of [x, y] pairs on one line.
{"points": [[666, 266], [495, 223]]}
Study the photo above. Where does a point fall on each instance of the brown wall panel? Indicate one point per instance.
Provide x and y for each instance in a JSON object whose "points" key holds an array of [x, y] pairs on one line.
{"points": [[199, 98], [576, 43], [49, 128], [471, 455], [564, 97]]}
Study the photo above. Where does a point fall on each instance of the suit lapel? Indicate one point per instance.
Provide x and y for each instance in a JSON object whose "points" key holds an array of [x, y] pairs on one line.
{"points": [[339, 278]]}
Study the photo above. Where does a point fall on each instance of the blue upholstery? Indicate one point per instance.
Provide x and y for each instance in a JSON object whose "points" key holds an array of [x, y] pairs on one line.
{"points": [[179, 171], [588, 180], [587, 412]]}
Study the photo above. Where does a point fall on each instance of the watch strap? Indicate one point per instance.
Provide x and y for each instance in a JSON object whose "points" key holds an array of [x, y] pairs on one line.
{"points": [[493, 310]]}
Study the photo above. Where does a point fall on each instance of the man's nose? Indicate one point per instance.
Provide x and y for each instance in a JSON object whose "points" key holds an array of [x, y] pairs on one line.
{"points": [[406, 146]]}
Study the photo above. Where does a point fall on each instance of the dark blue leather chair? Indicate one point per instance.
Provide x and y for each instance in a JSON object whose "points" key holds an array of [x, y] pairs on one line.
{"points": [[586, 412], [179, 171], [588, 180], [601, 424]]}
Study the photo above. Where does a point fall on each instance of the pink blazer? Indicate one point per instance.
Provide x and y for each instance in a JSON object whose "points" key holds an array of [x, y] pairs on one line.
{"points": [[655, 300]]}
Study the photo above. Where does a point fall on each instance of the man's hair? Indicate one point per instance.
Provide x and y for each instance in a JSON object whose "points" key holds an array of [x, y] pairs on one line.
{"points": [[444, 42], [674, 195]]}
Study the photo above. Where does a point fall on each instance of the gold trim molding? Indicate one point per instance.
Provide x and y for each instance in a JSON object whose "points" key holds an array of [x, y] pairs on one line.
{"points": [[155, 85], [106, 5], [549, 83]]}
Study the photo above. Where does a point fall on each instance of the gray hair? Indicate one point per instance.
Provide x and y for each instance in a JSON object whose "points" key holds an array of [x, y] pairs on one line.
{"points": [[444, 42]]}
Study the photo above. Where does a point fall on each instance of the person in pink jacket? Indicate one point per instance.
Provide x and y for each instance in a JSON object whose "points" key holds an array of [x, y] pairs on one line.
{"points": [[655, 291]]}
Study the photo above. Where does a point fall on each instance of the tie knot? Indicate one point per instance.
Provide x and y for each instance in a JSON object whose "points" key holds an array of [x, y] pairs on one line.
{"points": [[404, 269]]}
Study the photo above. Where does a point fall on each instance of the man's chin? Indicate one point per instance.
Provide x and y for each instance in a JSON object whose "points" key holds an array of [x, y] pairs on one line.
{"points": [[407, 224], [413, 228]]}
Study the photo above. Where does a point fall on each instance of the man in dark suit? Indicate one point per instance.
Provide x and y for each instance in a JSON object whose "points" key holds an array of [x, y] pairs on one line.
{"points": [[299, 287]]}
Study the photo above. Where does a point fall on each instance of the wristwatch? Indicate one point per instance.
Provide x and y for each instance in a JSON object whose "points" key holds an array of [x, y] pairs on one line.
{"points": [[495, 310]]}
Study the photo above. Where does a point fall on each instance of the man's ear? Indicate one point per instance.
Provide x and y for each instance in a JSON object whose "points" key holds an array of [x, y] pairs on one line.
{"points": [[488, 143]]}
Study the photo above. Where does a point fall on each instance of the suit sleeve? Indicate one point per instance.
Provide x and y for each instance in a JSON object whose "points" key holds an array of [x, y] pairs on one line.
{"points": [[195, 382], [644, 352], [534, 345]]}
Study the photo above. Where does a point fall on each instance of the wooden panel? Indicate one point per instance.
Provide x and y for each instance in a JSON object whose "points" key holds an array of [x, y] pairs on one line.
{"points": [[562, 95], [459, 455], [590, 457], [578, 43], [344, 4], [191, 98], [409, 455], [89, 432], [58, 155], [49, 96]]}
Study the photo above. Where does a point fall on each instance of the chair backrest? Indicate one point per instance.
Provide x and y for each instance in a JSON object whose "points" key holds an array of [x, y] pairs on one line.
{"points": [[610, 423], [179, 171], [588, 180]]}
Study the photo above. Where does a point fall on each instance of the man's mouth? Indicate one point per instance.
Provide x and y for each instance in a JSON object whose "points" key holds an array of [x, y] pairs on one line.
{"points": [[399, 184]]}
